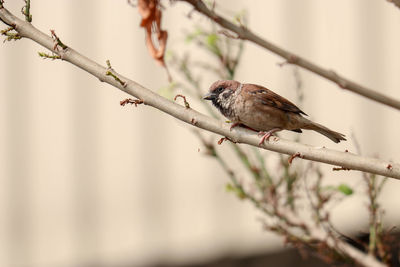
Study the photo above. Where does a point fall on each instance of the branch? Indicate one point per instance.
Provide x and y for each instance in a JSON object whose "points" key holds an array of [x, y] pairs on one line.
{"points": [[357, 255], [245, 34], [396, 2], [190, 116]]}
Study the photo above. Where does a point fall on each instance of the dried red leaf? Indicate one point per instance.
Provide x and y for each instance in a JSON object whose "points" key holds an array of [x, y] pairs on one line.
{"points": [[151, 21]]}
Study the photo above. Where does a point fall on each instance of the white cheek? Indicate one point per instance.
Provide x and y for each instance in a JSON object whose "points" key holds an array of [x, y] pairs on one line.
{"points": [[223, 101], [226, 105]]}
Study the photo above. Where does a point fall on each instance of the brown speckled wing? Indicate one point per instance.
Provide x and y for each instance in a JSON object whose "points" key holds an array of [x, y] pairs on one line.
{"points": [[269, 98]]}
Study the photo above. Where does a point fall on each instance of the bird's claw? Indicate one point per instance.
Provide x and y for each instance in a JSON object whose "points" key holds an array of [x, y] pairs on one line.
{"points": [[267, 135], [234, 125]]}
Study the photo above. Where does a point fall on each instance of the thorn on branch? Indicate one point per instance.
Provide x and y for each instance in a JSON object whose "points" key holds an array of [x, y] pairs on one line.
{"points": [[215, 17], [389, 167], [213, 5], [109, 72], [10, 35], [189, 15], [292, 59], [340, 169], [57, 42], [229, 34], [337, 79], [131, 101], [45, 55], [184, 100], [292, 157], [26, 11], [193, 121]]}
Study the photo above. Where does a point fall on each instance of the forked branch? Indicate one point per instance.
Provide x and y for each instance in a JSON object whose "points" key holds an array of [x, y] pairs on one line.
{"points": [[245, 34]]}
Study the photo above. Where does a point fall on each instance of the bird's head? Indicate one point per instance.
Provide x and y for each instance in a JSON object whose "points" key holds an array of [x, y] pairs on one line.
{"points": [[223, 94]]}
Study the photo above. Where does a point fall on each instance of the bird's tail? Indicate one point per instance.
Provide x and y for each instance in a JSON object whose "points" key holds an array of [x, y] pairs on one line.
{"points": [[334, 136]]}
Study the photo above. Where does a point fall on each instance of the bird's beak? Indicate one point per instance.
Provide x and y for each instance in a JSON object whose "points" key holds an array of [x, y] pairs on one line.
{"points": [[209, 96]]}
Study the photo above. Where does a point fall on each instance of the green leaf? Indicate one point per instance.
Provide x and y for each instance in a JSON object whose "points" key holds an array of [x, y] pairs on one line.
{"points": [[191, 36], [342, 188], [229, 188], [212, 40], [238, 191], [345, 189]]}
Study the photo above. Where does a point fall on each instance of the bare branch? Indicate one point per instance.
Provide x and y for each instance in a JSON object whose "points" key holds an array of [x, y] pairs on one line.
{"points": [[342, 159], [396, 2], [360, 257], [245, 34]]}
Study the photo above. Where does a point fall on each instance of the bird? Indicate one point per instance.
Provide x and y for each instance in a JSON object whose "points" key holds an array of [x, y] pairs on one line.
{"points": [[262, 110]]}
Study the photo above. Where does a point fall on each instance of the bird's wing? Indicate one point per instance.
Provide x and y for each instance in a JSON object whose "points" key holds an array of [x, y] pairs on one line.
{"points": [[269, 98]]}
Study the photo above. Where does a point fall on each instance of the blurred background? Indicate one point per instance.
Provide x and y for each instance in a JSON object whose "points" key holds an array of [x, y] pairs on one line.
{"points": [[86, 182]]}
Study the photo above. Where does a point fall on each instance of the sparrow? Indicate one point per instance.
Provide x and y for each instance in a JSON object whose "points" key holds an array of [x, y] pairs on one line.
{"points": [[262, 110]]}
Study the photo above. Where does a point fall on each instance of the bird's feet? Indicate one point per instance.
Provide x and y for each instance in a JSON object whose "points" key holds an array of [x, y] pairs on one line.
{"points": [[236, 124], [267, 135]]}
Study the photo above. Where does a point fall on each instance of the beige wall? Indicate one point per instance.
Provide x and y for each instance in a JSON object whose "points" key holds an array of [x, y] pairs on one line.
{"points": [[83, 180]]}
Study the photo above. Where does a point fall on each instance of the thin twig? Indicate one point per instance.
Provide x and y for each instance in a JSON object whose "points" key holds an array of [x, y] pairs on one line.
{"points": [[110, 72], [26, 11], [184, 100], [131, 101], [373, 190], [246, 34], [45, 55], [10, 35]]}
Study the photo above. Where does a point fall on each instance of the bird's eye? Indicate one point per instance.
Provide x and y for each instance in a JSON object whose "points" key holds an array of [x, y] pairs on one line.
{"points": [[220, 89]]}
